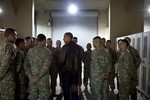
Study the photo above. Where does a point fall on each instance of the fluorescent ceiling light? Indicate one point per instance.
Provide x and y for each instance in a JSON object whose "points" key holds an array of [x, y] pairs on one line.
{"points": [[72, 9], [0, 10], [149, 9]]}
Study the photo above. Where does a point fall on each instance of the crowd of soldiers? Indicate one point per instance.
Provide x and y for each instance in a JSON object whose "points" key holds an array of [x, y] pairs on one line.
{"points": [[25, 69]]}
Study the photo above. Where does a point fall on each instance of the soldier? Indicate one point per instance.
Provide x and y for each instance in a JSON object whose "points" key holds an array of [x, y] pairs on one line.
{"points": [[116, 69], [75, 39], [36, 65], [136, 63], [70, 61], [7, 65], [100, 68], [125, 69], [113, 55], [34, 43], [58, 44], [86, 61], [28, 43], [103, 42], [53, 67], [21, 90], [28, 46], [58, 47]]}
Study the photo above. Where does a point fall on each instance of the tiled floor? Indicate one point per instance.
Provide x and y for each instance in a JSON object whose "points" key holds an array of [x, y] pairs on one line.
{"points": [[85, 94]]}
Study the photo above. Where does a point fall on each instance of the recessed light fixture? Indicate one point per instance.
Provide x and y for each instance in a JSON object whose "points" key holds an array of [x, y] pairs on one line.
{"points": [[72, 9]]}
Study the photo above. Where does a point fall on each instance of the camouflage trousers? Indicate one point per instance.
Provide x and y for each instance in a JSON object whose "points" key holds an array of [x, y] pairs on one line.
{"points": [[53, 76], [86, 77], [99, 89], [7, 91], [21, 89], [133, 91], [111, 79], [39, 90], [124, 88]]}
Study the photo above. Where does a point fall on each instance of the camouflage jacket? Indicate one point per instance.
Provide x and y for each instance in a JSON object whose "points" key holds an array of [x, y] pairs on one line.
{"points": [[87, 58], [125, 65], [135, 56], [100, 63], [37, 62], [7, 61]]}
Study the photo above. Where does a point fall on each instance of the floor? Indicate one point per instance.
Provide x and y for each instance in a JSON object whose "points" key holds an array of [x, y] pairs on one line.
{"points": [[86, 95]]}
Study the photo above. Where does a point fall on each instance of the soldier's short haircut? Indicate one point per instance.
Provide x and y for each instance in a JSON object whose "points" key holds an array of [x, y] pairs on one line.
{"points": [[75, 38], [69, 34], [109, 41], [128, 39], [34, 38], [103, 39], [97, 37], [18, 41], [88, 44], [9, 31], [119, 40], [125, 41], [49, 39], [28, 38], [41, 37]]}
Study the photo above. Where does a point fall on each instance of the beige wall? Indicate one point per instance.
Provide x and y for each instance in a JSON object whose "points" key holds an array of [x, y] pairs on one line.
{"points": [[146, 24], [42, 23], [8, 16], [103, 25], [126, 17], [19, 19]]}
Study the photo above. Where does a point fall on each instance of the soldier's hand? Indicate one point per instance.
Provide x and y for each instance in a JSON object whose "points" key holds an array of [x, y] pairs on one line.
{"points": [[33, 79], [106, 76]]}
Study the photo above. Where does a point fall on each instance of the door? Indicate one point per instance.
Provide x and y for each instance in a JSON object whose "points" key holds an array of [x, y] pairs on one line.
{"points": [[145, 85], [133, 39], [138, 46], [149, 64]]}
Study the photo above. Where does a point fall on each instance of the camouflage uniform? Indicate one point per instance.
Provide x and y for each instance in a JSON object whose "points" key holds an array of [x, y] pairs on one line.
{"points": [[37, 62], [125, 73], [87, 61], [100, 64], [113, 55], [53, 69], [21, 90], [7, 71], [136, 63], [57, 64], [81, 50]]}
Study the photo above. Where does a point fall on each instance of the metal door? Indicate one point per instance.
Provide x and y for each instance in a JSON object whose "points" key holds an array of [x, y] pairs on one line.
{"points": [[145, 62], [133, 39], [138, 46]]}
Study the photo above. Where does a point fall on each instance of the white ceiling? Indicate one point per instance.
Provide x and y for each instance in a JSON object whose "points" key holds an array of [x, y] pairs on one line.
{"points": [[63, 4]]}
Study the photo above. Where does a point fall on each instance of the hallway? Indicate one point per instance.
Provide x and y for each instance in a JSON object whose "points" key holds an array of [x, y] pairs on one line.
{"points": [[86, 95]]}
